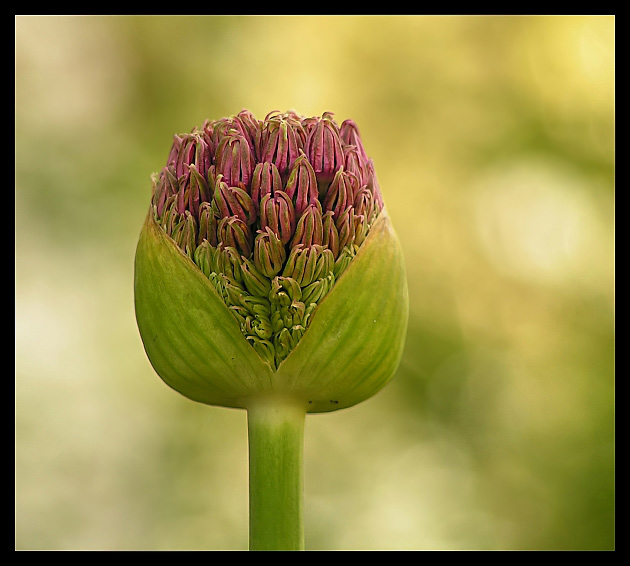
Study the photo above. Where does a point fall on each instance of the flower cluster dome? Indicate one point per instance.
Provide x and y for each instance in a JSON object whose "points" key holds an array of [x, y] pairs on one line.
{"points": [[272, 212]]}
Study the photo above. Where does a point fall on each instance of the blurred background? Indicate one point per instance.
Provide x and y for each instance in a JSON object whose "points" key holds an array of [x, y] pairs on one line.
{"points": [[493, 139]]}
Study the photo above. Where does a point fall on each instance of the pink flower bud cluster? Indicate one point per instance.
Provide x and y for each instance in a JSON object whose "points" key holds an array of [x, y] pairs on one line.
{"points": [[272, 211]]}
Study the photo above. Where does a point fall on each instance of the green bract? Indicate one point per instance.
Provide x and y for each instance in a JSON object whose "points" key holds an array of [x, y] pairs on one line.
{"points": [[267, 265]]}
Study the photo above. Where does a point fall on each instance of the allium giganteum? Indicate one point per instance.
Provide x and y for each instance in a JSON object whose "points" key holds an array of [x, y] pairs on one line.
{"points": [[273, 213]]}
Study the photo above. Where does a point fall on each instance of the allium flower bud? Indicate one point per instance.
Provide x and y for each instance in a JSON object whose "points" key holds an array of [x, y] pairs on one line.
{"points": [[189, 149], [267, 264], [306, 264], [227, 261], [249, 127], [277, 213], [243, 124], [346, 229], [330, 234], [265, 181], [372, 184], [323, 148], [235, 233], [165, 185], [310, 227], [196, 192], [315, 291], [281, 140], [208, 223], [340, 193], [349, 134], [302, 185], [257, 283], [185, 233], [354, 163], [233, 201], [269, 252], [234, 160]]}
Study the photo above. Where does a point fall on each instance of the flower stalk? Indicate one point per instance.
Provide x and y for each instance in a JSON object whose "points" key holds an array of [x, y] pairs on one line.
{"points": [[276, 476]]}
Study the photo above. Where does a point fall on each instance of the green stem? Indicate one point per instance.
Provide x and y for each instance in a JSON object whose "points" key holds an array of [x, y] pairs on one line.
{"points": [[276, 480]]}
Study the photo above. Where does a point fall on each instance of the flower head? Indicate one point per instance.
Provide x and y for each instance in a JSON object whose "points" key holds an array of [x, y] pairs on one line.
{"points": [[269, 214]]}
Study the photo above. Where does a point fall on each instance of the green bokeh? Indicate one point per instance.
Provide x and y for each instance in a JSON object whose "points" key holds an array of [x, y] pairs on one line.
{"points": [[493, 139]]}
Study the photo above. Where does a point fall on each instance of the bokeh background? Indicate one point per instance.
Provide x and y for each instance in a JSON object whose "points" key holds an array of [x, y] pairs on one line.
{"points": [[493, 139]]}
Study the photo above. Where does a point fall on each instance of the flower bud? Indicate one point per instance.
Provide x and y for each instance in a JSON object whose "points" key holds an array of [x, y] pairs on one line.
{"points": [[165, 185], [267, 264], [304, 265], [203, 257], [190, 149], [330, 235], [346, 255], [372, 184], [233, 232], [185, 233], [208, 224], [281, 140], [265, 181], [192, 192], [249, 127], [277, 213], [285, 291], [310, 228], [346, 228], [349, 134], [361, 228], [234, 160], [315, 291], [302, 185], [257, 283], [170, 217], [323, 148], [269, 252], [243, 124], [364, 203], [354, 163], [233, 201], [339, 193], [227, 261]]}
